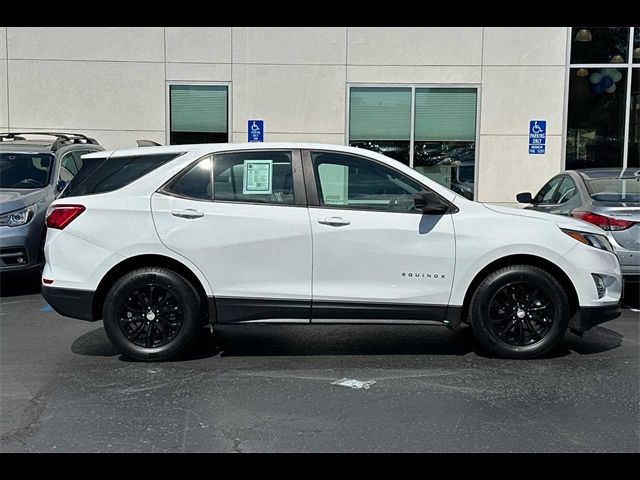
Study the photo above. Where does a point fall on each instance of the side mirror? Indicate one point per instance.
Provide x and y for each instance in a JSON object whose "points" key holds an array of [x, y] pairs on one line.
{"points": [[524, 197], [60, 186], [429, 203]]}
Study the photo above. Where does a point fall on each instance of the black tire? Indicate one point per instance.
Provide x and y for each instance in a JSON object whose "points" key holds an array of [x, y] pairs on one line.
{"points": [[152, 314], [509, 316]]}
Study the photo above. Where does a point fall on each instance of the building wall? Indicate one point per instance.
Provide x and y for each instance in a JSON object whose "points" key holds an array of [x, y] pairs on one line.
{"points": [[111, 83]]}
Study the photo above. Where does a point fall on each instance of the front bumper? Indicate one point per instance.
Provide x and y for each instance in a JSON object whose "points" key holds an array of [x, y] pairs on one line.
{"points": [[589, 317], [20, 247], [70, 302]]}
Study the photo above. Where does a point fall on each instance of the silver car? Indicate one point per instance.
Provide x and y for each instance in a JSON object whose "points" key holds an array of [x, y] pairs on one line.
{"points": [[33, 171], [608, 198]]}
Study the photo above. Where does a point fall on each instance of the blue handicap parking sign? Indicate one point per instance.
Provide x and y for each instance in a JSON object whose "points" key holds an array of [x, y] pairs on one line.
{"points": [[537, 136], [256, 130]]}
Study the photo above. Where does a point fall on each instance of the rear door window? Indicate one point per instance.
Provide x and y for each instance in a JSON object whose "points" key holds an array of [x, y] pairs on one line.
{"points": [[547, 193], [566, 191], [254, 177], [102, 175]]}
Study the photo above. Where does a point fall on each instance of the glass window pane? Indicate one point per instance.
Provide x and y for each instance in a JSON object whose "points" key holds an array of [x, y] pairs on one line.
{"points": [[567, 191], [595, 122], [24, 170], [548, 191], [346, 181], [445, 132], [599, 44], [198, 114], [68, 163], [196, 183], [633, 157], [102, 175], [380, 120], [636, 45], [254, 177], [626, 189]]}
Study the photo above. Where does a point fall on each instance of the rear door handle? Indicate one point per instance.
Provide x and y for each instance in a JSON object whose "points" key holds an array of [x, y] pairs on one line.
{"points": [[334, 221], [188, 213]]}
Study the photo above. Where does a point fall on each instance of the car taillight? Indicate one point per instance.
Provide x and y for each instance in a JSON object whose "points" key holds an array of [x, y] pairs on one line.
{"points": [[606, 223], [62, 215]]}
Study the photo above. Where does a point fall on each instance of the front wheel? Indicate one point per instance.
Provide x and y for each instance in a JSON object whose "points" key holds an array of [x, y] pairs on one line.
{"points": [[152, 314], [519, 311]]}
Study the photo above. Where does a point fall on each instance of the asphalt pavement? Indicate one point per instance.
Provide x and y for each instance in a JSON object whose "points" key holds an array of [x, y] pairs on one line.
{"points": [[262, 388]]}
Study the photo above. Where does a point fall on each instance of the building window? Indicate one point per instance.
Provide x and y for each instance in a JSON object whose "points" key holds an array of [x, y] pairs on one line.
{"points": [[445, 136], [442, 142], [198, 114], [380, 120], [602, 115]]}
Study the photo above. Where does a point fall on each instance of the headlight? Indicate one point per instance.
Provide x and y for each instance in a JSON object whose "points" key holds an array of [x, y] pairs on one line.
{"points": [[591, 239], [17, 218]]}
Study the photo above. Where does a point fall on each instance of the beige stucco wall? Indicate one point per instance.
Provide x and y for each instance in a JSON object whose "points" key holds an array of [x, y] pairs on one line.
{"points": [[111, 83]]}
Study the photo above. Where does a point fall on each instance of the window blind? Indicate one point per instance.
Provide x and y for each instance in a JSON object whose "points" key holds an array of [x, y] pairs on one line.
{"points": [[380, 113], [198, 108], [445, 114]]}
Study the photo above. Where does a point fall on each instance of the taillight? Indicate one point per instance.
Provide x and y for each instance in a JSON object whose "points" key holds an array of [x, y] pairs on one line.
{"points": [[606, 223], [62, 215]]}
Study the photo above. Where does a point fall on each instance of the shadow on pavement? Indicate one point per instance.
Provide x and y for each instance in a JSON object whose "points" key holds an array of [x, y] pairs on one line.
{"points": [[309, 340], [94, 343], [596, 340], [631, 297], [15, 284]]}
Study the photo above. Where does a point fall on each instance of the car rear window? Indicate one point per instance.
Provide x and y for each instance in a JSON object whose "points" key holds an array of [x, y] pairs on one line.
{"points": [[614, 189], [102, 175]]}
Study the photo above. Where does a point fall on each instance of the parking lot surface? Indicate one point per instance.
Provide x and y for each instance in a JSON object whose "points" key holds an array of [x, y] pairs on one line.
{"points": [[264, 388]]}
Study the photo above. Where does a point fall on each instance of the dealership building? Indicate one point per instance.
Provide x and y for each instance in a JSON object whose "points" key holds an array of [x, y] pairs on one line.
{"points": [[489, 112]]}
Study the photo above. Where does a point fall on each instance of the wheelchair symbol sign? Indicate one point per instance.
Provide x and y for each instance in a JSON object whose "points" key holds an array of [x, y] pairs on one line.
{"points": [[256, 130], [537, 136]]}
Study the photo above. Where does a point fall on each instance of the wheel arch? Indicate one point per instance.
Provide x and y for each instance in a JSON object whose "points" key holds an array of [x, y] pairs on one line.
{"points": [[148, 260], [522, 259]]}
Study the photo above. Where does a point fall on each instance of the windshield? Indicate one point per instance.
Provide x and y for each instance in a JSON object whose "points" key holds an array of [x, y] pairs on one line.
{"points": [[614, 189], [25, 170]]}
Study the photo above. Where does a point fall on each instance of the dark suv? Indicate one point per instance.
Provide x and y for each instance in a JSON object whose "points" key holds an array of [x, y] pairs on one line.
{"points": [[34, 169]]}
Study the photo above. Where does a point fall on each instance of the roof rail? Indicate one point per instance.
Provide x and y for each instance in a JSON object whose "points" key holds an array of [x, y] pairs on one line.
{"points": [[10, 136], [61, 138]]}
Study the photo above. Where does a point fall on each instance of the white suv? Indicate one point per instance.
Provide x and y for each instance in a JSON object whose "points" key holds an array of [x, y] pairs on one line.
{"points": [[162, 241]]}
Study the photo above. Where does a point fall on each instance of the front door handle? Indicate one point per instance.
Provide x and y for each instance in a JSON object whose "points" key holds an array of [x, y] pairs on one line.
{"points": [[188, 213], [334, 221]]}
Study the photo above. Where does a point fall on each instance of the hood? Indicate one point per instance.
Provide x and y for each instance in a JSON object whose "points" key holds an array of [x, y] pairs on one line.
{"points": [[560, 220], [11, 200]]}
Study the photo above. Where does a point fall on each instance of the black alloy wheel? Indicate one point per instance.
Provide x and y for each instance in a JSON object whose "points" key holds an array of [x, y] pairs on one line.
{"points": [[151, 316], [521, 313]]}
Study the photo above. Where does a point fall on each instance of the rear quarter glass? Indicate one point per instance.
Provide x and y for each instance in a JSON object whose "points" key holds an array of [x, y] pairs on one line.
{"points": [[102, 175]]}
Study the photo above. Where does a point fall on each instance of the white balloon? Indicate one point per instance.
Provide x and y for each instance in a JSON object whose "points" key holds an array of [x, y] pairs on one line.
{"points": [[617, 76], [611, 89], [595, 78], [607, 72]]}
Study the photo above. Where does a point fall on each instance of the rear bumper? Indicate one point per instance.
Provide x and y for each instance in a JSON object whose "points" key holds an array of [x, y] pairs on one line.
{"points": [[589, 317], [70, 302], [630, 271]]}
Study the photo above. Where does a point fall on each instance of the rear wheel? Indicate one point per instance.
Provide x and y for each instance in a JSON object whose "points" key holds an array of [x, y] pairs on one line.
{"points": [[152, 314], [519, 311]]}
